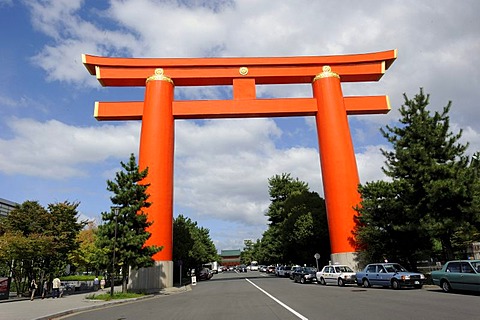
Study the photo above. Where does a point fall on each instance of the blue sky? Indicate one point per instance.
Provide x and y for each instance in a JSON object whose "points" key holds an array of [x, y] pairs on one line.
{"points": [[52, 149]]}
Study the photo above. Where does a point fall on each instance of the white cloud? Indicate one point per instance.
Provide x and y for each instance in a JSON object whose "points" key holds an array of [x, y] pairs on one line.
{"points": [[223, 166], [369, 162], [55, 150]]}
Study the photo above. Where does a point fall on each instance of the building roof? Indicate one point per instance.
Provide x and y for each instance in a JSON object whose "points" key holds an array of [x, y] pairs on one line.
{"points": [[230, 253]]}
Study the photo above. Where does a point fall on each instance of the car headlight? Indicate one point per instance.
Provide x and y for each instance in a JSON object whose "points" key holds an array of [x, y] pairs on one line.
{"points": [[405, 277]]}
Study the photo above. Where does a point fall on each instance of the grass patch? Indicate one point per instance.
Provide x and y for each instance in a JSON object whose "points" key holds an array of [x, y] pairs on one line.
{"points": [[116, 296]]}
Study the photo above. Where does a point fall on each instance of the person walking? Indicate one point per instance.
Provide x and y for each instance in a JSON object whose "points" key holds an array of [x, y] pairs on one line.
{"points": [[96, 283], [33, 288], [45, 289], [56, 288]]}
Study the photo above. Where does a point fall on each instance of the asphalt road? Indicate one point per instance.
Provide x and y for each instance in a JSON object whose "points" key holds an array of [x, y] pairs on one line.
{"points": [[255, 295]]}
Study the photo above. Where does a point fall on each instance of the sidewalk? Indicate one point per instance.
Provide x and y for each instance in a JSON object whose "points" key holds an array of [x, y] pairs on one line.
{"points": [[38, 309]]}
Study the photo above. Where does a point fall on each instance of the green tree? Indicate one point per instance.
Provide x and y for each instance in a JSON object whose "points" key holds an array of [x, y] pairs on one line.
{"points": [[36, 242], [84, 257], [64, 228], [191, 244], [430, 192], [129, 223], [280, 187], [298, 224], [305, 231]]}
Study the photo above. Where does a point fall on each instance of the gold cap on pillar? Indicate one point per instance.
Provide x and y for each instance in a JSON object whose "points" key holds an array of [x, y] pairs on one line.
{"points": [[327, 73], [159, 76]]}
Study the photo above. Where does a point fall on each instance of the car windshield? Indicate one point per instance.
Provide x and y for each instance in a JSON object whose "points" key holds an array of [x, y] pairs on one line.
{"points": [[394, 268], [310, 269], [343, 269]]}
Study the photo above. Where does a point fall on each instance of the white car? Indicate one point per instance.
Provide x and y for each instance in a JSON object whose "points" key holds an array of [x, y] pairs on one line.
{"points": [[336, 274]]}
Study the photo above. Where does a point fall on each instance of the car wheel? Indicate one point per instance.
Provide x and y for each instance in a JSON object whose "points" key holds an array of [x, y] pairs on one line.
{"points": [[341, 283], [366, 284], [322, 281], [295, 279], [395, 284], [445, 286], [302, 280]]}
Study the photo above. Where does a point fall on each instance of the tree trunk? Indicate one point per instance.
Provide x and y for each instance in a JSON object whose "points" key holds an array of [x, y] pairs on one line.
{"points": [[447, 248]]}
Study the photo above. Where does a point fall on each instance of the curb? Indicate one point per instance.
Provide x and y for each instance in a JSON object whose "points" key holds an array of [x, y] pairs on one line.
{"points": [[99, 304]]}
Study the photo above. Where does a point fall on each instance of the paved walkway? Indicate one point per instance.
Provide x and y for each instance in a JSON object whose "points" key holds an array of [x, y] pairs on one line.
{"points": [[38, 309]]}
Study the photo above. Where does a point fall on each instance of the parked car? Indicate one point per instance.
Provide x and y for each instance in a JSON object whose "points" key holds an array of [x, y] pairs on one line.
{"points": [[262, 268], [293, 271], [458, 275], [336, 274], [305, 274], [389, 275], [242, 268], [285, 271], [204, 274], [271, 269]]}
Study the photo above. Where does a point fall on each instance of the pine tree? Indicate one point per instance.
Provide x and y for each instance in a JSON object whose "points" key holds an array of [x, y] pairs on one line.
{"points": [[129, 223], [280, 187], [430, 194]]}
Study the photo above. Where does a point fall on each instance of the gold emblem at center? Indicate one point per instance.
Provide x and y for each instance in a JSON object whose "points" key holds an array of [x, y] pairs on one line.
{"points": [[243, 71]]}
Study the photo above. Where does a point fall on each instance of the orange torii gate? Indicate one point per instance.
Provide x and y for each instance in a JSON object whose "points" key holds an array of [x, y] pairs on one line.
{"points": [[159, 110]]}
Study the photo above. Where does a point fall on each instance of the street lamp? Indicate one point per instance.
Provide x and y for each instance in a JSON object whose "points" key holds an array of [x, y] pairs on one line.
{"points": [[115, 210]]}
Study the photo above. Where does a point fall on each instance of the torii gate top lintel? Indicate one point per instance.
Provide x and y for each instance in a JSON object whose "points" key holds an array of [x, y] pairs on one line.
{"points": [[221, 71], [243, 74]]}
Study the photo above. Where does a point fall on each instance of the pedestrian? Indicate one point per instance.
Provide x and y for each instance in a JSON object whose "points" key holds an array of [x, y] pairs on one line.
{"points": [[56, 288], [95, 284], [33, 287], [102, 283], [45, 289]]}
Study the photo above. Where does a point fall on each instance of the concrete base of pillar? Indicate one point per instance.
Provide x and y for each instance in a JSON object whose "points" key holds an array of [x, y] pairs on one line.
{"points": [[152, 279], [348, 258]]}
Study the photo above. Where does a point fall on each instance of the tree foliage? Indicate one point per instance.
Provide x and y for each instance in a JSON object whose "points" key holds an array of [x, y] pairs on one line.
{"points": [[298, 225], [429, 196], [126, 230], [192, 244], [35, 242], [84, 258]]}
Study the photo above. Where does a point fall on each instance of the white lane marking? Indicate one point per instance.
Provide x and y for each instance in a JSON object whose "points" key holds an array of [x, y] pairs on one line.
{"points": [[278, 301]]}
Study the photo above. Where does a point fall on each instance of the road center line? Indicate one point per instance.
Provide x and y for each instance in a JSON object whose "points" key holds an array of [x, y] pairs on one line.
{"points": [[278, 301]]}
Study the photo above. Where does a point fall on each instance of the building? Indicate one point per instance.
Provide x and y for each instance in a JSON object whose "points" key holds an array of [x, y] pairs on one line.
{"points": [[473, 251], [6, 206], [230, 257]]}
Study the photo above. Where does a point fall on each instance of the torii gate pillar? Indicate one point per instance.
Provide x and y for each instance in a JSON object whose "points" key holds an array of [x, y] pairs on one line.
{"points": [[337, 158], [159, 110], [157, 154]]}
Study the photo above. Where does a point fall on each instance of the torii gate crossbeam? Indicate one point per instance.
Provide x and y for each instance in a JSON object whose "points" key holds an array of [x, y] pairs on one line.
{"points": [[328, 105]]}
